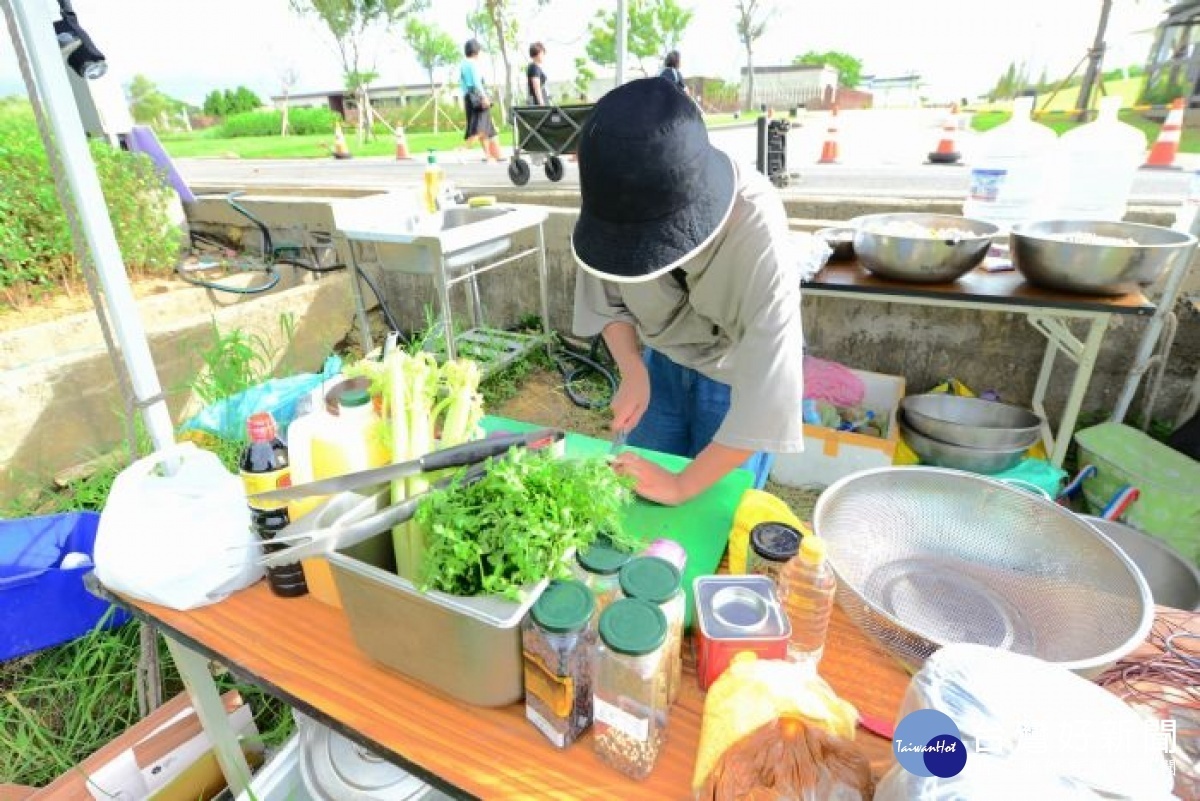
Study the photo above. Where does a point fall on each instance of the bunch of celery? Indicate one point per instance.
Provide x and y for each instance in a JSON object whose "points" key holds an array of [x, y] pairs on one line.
{"points": [[427, 406]]}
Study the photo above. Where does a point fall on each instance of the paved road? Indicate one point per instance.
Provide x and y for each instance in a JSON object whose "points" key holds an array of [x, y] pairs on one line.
{"points": [[881, 154]]}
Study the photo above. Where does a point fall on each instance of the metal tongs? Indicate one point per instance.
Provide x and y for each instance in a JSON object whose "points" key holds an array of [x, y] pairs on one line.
{"points": [[315, 542]]}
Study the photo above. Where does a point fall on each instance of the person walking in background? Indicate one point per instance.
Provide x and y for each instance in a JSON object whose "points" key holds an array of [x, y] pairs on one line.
{"points": [[535, 77], [477, 103], [671, 71]]}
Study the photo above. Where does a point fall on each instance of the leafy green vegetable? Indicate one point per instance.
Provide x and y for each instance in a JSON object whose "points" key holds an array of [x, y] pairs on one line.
{"points": [[515, 525]]}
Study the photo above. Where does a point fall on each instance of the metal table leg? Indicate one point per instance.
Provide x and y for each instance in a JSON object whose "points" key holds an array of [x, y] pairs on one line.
{"points": [[1060, 339], [542, 287], [360, 307], [206, 700], [442, 285]]}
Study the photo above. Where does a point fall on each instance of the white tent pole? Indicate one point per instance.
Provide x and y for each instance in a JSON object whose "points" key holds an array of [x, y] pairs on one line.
{"points": [[36, 27], [622, 40]]}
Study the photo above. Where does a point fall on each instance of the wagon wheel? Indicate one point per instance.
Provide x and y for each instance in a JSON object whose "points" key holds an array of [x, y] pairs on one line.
{"points": [[518, 171], [554, 168]]}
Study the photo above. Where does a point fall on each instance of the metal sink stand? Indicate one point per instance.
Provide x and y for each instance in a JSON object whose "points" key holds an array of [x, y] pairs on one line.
{"points": [[493, 348]]}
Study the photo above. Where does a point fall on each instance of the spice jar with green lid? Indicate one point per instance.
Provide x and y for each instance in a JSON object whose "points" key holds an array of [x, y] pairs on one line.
{"points": [[598, 567], [658, 581], [557, 642], [629, 701]]}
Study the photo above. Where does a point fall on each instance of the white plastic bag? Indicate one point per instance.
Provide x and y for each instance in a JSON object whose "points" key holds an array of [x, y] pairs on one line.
{"points": [[183, 540]]}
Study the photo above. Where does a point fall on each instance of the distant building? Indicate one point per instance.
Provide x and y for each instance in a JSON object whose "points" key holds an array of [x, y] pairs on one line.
{"points": [[1174, 64], [339, 100], [900, 91], [792, 85]]}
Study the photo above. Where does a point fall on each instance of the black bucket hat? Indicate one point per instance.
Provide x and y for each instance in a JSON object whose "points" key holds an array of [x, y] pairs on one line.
{"points": [[654, 190]]}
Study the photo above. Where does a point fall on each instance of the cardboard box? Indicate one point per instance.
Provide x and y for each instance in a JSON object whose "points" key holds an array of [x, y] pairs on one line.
{"points": [[165, 756], [830, 455]]}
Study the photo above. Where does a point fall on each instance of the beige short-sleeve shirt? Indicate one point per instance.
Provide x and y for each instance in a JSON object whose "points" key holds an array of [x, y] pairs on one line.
{"points": [[738, 323]]}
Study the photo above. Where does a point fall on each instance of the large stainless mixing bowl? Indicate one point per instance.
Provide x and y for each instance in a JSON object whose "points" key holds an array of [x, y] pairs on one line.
{"points": [[1173, 580], [916, 259], [971, 422], [988, 461], [1095, 269], [927, 557]]}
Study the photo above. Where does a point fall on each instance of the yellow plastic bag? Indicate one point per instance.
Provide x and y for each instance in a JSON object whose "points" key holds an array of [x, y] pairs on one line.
{"points": [[778, 726], [756, 507]]}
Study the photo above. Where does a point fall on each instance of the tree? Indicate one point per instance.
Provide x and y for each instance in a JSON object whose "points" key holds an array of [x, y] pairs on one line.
{"points": [[148, 105], [849, 68], [245, 100], [287, 79], [753, 17], [348, 22], [584, 75], [652, 30], [214, 104], [433, 48]]}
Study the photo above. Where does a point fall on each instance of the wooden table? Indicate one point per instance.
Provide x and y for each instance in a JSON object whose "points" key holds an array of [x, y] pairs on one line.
{"points": [[301, 651], [1049, 312]]}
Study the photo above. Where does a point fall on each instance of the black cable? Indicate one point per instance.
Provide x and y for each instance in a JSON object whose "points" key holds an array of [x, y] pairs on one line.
{"points": [[562, 354], [272, 281], [383, 307]]}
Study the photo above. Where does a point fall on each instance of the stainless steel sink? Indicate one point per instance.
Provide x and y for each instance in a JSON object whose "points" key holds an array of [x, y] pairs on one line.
{"points": [[455, 238]]}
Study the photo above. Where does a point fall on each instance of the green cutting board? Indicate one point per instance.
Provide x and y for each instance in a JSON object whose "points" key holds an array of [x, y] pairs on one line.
{"points": [[701, 525]]}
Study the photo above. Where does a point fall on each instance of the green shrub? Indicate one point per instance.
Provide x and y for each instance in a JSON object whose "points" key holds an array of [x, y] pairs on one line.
{"points": [[267, 123], [36, 250]]}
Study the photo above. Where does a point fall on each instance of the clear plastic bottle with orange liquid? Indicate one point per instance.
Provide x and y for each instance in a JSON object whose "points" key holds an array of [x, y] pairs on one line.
{"points": [[806, 588]]}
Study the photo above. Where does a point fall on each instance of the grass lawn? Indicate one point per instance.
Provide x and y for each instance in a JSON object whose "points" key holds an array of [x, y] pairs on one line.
{"points": [[199, 145], [1062, 122]]}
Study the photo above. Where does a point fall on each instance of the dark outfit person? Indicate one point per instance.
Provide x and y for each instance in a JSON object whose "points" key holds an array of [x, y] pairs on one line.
{"points": [[684, 253], [671, 70], [535, 71]]}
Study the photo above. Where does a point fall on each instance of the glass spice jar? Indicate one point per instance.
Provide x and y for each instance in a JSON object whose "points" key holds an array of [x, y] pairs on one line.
{"points": [[772, 544], [658, 581], [598, 568], [629, 701], [557, 645]]}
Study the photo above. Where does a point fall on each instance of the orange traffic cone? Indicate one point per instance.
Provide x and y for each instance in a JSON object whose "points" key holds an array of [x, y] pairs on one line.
{"points": [[829, 150], [340, 151], [401, 145], [946, 153], [1162, 155]]}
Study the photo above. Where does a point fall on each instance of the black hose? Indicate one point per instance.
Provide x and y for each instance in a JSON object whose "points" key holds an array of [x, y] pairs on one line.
{"points": [[269, 269], [383, 307], [563, 354]]}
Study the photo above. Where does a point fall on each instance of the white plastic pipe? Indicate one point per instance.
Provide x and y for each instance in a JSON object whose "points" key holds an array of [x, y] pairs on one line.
{"points": [[36, 27]]}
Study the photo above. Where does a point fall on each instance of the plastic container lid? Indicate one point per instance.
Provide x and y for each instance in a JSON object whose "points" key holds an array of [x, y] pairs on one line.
{"points": [[603, 558], [651, 579], [432, 157], [354, 397], [565, 606], [777, 542], [633, 626]]}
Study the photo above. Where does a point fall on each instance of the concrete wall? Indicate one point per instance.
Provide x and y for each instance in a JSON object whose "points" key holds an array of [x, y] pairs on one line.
{"points": [[61, 405], [985, 349]]}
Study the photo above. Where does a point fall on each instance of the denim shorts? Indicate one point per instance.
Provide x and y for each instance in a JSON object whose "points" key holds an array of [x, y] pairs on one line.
{"points": [[686, 409]]}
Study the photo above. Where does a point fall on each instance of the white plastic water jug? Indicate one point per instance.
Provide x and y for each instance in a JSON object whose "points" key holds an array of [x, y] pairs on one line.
{"points": [[1008, 178], [1095, 165]]}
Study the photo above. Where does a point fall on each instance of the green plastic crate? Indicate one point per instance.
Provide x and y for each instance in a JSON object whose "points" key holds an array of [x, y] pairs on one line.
{"points": [[1168, 506]]}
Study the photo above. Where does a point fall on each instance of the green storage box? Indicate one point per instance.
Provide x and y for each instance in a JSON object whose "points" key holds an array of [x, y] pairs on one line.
{"points": [[1168, 506]]}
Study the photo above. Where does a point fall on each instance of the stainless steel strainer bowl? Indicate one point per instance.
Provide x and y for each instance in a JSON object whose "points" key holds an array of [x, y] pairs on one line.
{"points": [[926, 557]]}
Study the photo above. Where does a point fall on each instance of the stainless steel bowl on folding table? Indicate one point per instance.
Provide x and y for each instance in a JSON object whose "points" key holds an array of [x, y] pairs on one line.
{"points": [[883, 248], [926, 557]]}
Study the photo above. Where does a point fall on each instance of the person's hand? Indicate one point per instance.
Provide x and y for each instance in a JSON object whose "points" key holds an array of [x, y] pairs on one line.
{"points": [[631, 399], [486, 102], [654, 483]]}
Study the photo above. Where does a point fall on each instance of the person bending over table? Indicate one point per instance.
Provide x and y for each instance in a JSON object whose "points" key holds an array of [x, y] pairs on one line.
{"points": [[683, 251]]}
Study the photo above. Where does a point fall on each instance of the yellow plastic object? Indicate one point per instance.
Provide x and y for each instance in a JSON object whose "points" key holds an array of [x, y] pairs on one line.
{"points": [[753, 693], [757, 507], [319, 578], [481, 200]]}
